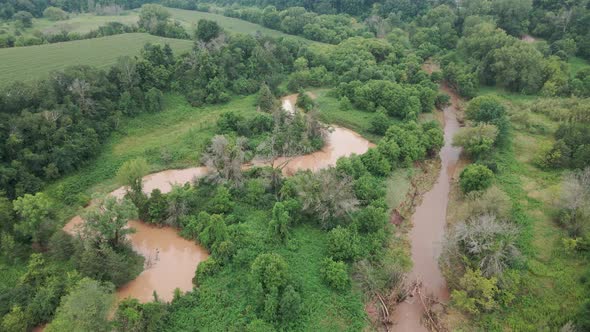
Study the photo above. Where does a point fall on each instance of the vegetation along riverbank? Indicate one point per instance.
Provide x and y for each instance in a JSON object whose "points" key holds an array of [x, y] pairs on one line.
{"points": [[265, 165]]}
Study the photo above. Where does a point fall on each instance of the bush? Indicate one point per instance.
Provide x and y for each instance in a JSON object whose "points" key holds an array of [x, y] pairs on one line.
{"points": [[334, 274], [476, 293], [376, 163], [206, 268], [477, 140], [305, 102], [222, 201], [475, 177], [380, 123], [157, 207], [343, 244], [345, 104], [371, 219], [493, 201], [254, 192], [368, 188], [55, 14], [442, 100], [490, 110]]}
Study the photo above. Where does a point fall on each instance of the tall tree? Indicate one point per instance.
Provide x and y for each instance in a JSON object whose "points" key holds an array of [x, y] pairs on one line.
{"points": [[207, 30], [225, 158], [36, 214], [106, 220], [86, 308]]}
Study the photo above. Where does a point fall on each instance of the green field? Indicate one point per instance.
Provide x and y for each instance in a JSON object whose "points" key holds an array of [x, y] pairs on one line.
{"points": [[83, 23], [78, 23], [34, 62], [577, 64], [190, 18]]}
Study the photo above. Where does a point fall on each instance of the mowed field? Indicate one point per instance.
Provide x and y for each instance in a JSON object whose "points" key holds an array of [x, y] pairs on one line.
{"points": [[34, 62], [190, 18], [78, 23]]}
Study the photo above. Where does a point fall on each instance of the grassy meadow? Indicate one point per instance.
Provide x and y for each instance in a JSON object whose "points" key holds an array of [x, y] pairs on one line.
{"points": [[190, 18], [552, 273], [36, 62], [577, 64], [77, 23]]}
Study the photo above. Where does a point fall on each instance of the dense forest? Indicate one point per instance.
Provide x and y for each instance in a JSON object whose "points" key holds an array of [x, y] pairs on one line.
{"points": [[312, 250]]}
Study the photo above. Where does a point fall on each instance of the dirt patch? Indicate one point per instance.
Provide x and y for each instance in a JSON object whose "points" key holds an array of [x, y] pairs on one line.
{"points": [[430, 67], [528, 39]]}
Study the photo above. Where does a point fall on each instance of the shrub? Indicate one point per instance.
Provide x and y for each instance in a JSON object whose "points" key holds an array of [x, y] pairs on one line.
{"points": [[345, 104], [380, 123], [490, 110], [485, 242], [376, 163], [270, 271], [442, 100], [254, 192], [477, 140], [305, 102], [475, 177], [477, 293], [55, 14], [207, 268], [157, 207], [493, 201], [368, 188], [343, 244], [371, 219], [222, 201], [334, 274]]}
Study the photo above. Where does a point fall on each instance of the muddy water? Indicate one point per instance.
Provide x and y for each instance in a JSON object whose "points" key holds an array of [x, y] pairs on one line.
{"points": [[341, 142], [171, 260], [428, 230], [288, 103], [166, 179]]}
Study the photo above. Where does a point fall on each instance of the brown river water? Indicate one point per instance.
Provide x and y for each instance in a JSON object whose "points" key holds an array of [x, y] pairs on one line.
{"points": [[171, 261], [428, 229]]}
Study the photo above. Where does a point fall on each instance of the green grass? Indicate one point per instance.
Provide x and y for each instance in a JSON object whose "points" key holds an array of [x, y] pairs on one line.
{"points": [[576, 64], [190, 18], [354, 119], [509, 96], [35, 62], [78, 23], [551, 292]]}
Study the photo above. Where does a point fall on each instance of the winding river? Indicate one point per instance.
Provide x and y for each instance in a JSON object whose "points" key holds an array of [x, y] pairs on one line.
{"points": [[171, 261], [428, 229]]}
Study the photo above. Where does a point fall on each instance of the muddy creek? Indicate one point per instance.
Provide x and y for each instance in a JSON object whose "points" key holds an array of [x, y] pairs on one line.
{"points": [[428, 229], [171, 261]]}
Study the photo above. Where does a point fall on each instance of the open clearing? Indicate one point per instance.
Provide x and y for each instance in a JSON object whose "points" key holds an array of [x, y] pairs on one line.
{"points": [[190, 18], [34, 62], [78, 23]]}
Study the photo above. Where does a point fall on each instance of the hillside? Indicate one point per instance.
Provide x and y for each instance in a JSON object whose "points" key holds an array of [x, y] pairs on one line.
{"points": [[34, 62]]}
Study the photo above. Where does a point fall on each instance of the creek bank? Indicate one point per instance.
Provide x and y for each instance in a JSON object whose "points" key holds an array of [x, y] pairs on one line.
{"points": [[171, 260]]}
